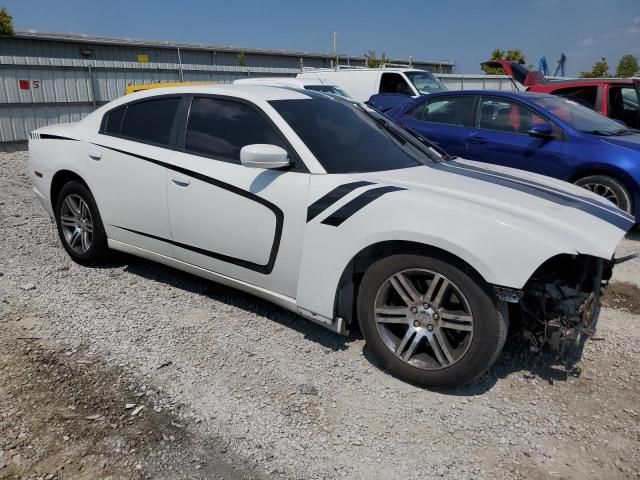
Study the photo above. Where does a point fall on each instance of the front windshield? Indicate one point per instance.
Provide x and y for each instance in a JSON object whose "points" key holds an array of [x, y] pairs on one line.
{"points": [[580, 117], [332, 89], [425, 83], [346, 139]]}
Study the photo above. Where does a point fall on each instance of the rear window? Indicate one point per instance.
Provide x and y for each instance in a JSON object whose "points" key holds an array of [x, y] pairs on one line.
{"points": [[113, 121], [150, 121]]}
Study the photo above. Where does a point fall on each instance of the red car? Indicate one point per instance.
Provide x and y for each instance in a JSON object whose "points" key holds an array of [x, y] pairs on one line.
{"points": [[617, 98]]}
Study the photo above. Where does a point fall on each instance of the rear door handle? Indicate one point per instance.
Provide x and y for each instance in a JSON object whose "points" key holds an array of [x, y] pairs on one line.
{"points": [[478, 140], [95, 154], [180, 180]]}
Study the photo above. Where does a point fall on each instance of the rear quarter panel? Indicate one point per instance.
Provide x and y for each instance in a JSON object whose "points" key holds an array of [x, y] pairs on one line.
{"points": [[50, 156]]}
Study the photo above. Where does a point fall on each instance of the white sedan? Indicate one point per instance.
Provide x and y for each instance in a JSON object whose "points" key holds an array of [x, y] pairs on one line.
{"points": [[332, 211]]}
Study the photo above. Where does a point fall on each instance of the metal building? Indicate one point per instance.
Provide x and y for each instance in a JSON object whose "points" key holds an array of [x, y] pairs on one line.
{"points": [[52, 77]]}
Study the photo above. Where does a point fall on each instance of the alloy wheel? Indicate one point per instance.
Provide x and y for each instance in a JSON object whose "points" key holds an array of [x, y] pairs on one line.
{"points": [[424, 319], [77, 223]]}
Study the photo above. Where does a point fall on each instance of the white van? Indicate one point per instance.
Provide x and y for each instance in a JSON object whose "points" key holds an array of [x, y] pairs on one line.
{"points": [[361, 82], [302, 83]]}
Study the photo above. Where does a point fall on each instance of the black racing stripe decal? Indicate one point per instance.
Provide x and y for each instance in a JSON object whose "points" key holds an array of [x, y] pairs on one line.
{"points": [[48, 136], [358, 203], [557, 198], [604, 204], [324, 202], [279, 215], [201, 251]]}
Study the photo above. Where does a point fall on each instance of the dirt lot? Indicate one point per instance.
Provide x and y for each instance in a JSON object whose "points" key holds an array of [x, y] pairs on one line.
{"points": [[233, 387]]}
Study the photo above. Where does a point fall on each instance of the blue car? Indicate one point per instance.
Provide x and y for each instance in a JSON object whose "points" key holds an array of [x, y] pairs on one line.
{"points": [[541, 133]]}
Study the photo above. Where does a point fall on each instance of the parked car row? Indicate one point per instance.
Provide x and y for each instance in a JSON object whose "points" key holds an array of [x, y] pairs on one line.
{"points": [[541, 133], [617, 98], [345, 215]]}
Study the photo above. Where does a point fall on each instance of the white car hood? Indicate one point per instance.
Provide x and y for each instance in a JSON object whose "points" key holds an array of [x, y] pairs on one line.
{"points": [[551, 209]]}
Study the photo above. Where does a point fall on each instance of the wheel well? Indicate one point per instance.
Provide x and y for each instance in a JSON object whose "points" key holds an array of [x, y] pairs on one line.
{"points": [[347, 291], [607, 173], [60, 179]]}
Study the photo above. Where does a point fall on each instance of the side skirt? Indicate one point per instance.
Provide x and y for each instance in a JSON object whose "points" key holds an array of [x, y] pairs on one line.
{"points": [[280, 300], [335, 325]]}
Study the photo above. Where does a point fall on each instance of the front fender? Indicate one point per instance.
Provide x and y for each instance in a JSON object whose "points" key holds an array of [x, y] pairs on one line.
{"points": [[504, 249]]}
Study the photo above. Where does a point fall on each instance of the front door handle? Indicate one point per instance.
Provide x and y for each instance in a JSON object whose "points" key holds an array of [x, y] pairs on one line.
{"points": [[180, 180], [477, 140], [95, 154]]}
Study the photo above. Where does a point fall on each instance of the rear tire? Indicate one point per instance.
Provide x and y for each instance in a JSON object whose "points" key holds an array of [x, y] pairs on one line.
{"points": [[79, 225], [454, 329], [609, 188]]}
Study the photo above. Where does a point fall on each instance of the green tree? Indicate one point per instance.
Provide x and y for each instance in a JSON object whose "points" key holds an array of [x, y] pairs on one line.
{"points": [[6, 23], [600, 69], [372, 61], [242, 59], [515, 55], [627, 66]]}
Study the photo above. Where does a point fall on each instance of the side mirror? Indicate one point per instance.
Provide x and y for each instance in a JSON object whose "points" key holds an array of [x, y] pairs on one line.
{"points": [[263, 155], [541, 131]]}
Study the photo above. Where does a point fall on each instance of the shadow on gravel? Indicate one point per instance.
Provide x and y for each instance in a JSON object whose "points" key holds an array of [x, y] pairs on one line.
{"points": [[516, 358], [221, 293]]}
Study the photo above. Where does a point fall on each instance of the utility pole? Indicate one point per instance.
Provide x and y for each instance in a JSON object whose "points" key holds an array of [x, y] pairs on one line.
{"points": [[335, 45]]}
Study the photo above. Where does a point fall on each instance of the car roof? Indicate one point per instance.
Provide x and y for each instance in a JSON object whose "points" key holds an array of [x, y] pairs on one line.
{"points": [[584, 81], [516, 94], [274, 81], [249, 92]]}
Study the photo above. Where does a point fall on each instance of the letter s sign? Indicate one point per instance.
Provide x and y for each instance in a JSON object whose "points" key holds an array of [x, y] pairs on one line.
{"points": [[36, 84]]}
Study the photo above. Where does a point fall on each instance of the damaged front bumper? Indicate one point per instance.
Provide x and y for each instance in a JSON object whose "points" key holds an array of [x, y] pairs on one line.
{"points": [[560, 304]]}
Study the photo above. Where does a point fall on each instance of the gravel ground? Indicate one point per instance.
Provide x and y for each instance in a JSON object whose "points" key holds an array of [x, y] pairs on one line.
{"points": [[285, 397]]}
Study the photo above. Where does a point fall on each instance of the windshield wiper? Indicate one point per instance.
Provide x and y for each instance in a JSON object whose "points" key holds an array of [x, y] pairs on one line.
{"points": [[622, 131], [602, 133], [429, 143]]}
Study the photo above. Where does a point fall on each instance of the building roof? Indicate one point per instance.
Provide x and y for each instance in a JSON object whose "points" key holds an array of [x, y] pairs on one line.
{"points": [[124, 42]]}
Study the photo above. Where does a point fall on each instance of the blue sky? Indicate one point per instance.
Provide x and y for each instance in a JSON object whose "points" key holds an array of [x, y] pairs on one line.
{"points": [[461, 31]]}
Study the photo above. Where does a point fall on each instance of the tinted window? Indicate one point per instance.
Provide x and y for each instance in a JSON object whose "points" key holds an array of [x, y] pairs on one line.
{"points": [[332, 89], [623, 105], [451, 110], [220, 128], [394, 83], [151, 120], [418, 111], [507, 116], [113, 121], [580, 117], [584, 95], [345, 139]]}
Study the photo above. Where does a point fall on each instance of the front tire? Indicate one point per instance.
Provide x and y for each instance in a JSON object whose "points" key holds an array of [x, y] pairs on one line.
{"points": [[609, 188], [429, 322], [79, 225]]}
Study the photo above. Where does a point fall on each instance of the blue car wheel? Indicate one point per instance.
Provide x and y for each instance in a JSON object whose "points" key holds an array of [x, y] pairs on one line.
{"points": [[609, 188]]}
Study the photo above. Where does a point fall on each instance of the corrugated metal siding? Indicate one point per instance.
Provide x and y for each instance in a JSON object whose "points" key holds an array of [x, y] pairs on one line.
{"points": [[71, 84], [17, 122]]}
